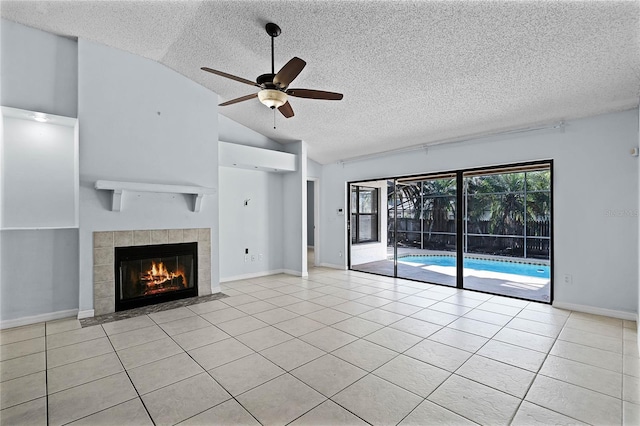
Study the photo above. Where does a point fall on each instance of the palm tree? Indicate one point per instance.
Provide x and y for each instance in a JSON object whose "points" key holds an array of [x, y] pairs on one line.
{"points": [[538, 195], [500, 195], [439, 204]]}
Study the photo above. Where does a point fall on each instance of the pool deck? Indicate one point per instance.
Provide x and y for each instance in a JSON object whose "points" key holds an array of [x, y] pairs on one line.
{"points": [[519, 286]]}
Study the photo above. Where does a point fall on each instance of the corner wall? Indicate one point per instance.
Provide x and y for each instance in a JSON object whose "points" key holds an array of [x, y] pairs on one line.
{"points": [[295, 213], [595, 182]]}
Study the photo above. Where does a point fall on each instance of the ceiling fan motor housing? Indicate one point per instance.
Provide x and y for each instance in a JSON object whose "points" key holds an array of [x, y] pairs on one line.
{"points": [[266, 80]]}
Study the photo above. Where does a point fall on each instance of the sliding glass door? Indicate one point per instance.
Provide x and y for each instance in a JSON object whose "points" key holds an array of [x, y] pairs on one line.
{"points": [[507, 231], [426, 211], [482, 229]]}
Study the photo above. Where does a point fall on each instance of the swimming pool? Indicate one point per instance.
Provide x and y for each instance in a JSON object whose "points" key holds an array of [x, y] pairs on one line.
{"points": [[527, 269]]}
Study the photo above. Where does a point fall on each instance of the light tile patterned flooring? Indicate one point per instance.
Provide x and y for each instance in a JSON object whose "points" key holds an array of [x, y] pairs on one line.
{"points": [[339, 347]]}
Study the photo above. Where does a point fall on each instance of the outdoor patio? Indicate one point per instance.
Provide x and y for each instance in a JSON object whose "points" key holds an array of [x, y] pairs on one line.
{"points": [[515, 286]]}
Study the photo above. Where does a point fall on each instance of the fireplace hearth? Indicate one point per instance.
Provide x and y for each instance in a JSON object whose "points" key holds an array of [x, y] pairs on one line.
{"points": [[147, 275]]}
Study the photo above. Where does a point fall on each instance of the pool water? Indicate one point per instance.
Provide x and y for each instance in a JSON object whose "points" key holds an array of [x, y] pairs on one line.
{"points": [[527, 269]]}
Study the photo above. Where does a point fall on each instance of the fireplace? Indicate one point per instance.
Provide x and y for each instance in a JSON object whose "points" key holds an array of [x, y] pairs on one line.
{"points": [[105, 244], [151, 274]]}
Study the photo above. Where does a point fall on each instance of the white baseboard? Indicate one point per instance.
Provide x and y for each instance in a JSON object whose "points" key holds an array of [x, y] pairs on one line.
{"points": [[89, 313], [292, 272], [252, 275], [38, 318], [631, 316], [333, 266]]}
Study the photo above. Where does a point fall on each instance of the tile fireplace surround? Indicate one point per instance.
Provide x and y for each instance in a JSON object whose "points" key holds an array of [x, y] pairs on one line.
{"points": [[104, 243]]}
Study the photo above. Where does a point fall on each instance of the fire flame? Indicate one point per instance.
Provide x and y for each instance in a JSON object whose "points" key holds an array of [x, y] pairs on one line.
{"points": [[160, 275]]}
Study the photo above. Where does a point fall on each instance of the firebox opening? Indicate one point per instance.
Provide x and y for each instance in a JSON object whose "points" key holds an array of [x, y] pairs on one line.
{"points": [[148, 275]]}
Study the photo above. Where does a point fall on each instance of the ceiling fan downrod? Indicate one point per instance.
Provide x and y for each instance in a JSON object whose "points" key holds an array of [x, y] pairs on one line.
{"points": [[274, 31]]}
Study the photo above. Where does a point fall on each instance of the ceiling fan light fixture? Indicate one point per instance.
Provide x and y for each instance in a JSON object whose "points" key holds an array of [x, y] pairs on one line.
{"points": [[272, 98]]}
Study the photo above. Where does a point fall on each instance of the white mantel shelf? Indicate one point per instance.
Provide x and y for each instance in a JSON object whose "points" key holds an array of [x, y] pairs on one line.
{"points": [[119, 187]]}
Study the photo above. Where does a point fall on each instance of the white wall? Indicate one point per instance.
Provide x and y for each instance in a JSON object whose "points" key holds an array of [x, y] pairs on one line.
{"points": [[593, 175], [142, 122], [314, 173], [39, 70], [39, 276], [295, 212], [257, 226], [314, 169], [38, 73], [231, 131]]}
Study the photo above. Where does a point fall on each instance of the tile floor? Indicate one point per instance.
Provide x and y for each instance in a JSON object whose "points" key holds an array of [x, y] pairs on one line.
{"points": [[339, 347]]}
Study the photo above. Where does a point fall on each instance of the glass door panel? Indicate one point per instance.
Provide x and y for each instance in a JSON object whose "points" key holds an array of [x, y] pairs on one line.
{"points": [[426, 229], [369, 249], [507, 232]]}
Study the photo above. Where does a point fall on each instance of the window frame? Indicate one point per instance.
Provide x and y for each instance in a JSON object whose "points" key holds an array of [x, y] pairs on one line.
{"points": [[355, 215]]}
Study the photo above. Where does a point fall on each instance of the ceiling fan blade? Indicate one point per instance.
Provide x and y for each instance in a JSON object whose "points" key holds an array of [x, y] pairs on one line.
{"points": [[241, 99], [314, 94], [232, 77], [286, 110], [289, 72]]}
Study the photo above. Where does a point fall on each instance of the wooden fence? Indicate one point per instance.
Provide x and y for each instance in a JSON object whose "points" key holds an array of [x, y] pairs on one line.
{"points": [[479, 239]]}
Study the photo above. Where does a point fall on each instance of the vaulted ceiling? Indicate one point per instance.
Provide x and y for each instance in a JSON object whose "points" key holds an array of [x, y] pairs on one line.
{"points": [[412, 72]]}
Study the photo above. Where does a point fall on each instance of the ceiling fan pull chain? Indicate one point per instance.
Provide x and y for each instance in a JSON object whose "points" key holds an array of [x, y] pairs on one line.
{"points": [[274, 119]]}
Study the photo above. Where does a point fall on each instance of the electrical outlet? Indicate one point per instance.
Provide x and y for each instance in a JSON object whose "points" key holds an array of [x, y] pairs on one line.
{"points": [[246, 257], [340, 253], [260, 257], [568, 279]]}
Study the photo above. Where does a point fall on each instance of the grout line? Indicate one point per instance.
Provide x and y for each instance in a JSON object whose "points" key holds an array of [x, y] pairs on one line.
{"points": [[329, 399], [209, 374], [537, 373], [556, 412], [131, 381], [20, 356], [46, 373], [27, 374]]}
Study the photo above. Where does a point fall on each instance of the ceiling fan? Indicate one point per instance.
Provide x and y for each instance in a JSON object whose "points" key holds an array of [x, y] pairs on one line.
{"points": [[274, 88]]}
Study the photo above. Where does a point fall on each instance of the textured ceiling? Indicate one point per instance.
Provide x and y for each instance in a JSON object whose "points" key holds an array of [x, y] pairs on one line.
{"points": [[412, 72]]}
